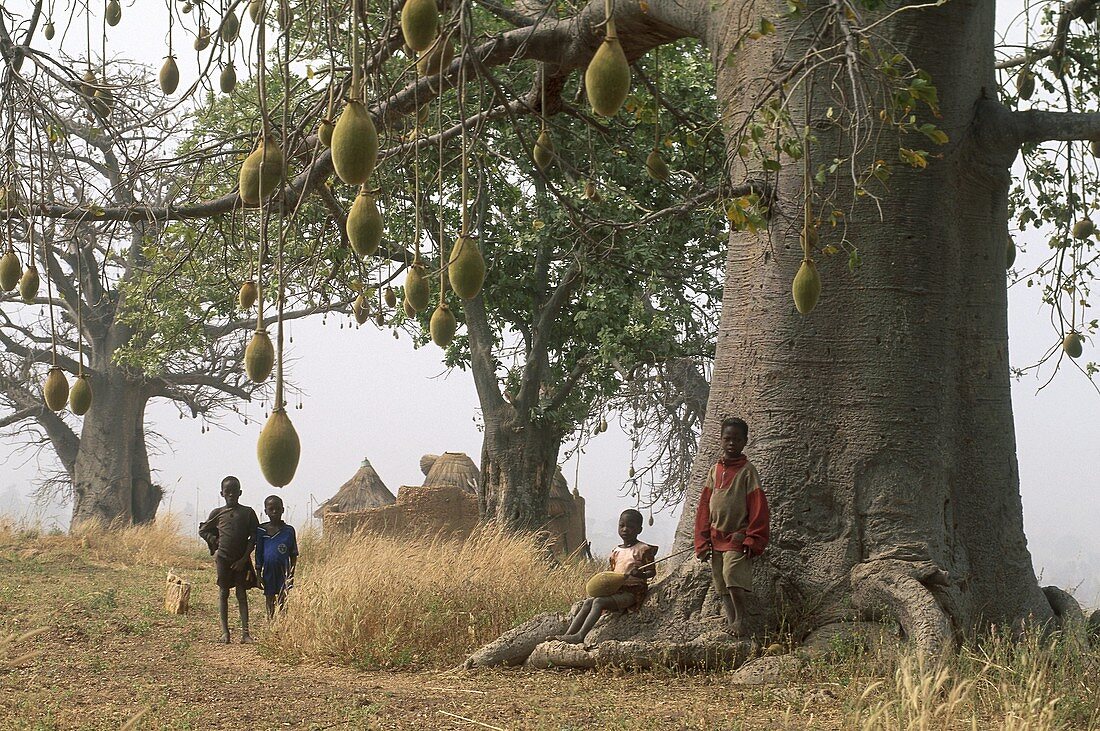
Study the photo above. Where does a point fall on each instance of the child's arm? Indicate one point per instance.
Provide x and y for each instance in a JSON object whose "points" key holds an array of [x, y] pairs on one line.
{"points": [[703, 546], [758, 530], [208, 531]]}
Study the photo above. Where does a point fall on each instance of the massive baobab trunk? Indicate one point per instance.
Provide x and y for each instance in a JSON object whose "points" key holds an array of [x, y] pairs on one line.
{"points": [[518, 460], [111, 479], [882, 422]]}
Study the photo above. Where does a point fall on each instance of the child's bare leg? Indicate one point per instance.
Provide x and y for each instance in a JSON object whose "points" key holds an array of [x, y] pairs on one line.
{"points": [[734, 602], [577, 619], [242, 605], [596, 609], [270, 605], [223, 611]]}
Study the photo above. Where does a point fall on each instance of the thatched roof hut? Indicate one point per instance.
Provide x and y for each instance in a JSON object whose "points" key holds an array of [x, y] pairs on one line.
{"points": [[364, 490], [451, 469]]}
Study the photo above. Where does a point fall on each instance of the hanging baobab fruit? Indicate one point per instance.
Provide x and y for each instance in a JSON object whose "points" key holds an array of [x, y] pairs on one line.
{"points": [[113, 13], [417, 291], [1084, 228], [442, 325], [169, 75], [261, 173], [466, 268], [806, 287], [656, 166], [409, 310], [48, 31], [1073, 345], [29, 283], [607, 78], [227, 81], [80, 396], [360, 309], [256, 10], [419, 24], [1025, 83], [1094, 148], [354, 144], [202, 40], [364, 224], [437, 58], [278, 449], [55, 391], [246, 297], [9, 271], [591, 192], [544, 150], [231, 27], [259, 357], [390, 297], [104, 101], [324, 132]]}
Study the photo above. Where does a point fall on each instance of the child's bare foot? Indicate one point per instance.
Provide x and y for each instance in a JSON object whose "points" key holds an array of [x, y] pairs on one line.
{"points": [[246, 639], [225, 638], [735, 628]]}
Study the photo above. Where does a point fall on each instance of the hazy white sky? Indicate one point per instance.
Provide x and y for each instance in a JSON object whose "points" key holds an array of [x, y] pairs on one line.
{"points": [[369, 395]]}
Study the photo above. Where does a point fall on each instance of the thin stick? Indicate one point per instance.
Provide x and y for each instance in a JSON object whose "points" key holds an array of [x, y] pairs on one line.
{"points": [[470, 720]]}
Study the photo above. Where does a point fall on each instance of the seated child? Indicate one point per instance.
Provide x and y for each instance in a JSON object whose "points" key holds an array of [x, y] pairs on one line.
{"points": [[625, 559], [276, 554]]}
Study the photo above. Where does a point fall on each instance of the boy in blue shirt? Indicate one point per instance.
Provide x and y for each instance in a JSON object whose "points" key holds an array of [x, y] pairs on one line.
{"points": [[276, 554]]}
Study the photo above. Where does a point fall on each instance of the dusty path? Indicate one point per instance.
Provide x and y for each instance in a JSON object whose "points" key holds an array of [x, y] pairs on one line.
{"points": [[111, 651]]}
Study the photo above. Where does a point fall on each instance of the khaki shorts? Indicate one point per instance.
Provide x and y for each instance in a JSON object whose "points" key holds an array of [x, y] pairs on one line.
{"points": [[731, 570]]}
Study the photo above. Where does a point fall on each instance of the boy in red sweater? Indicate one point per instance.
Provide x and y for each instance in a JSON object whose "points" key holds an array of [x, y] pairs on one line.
{"points": [[731, 522]]}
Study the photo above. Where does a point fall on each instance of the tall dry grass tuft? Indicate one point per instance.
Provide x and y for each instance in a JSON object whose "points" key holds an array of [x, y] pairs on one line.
{"points": [[160, 543], [376, 602], [1040, 682]]}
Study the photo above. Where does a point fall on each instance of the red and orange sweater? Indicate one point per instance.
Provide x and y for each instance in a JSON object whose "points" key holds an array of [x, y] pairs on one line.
{"points": [[733, 510]]}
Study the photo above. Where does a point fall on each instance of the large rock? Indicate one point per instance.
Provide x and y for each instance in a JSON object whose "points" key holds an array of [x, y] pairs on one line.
{"points": [[766, 670]]}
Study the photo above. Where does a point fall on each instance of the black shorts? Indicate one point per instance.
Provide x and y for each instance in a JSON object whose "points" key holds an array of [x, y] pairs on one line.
{"points": [[230, 578]]}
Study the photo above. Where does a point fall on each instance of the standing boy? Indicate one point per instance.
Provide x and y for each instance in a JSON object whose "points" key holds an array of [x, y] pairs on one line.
{"points": [[230, 532], [276, 554], [731, 522]]}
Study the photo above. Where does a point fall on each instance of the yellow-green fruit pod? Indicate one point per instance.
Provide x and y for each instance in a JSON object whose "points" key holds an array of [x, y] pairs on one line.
{"points": [[466, 268], [231, 27], [607, 79], [354, 144], [104, 102], [1010, 253], [28, 284], [246, 297], [410, 311], [261, 173], [1094, 148], [87, 88], [390, 296], [656, 167], [443, 325], [259, 357], [419, 24], [169, 75], [437, 58], [544, 150], [227, 80], [113, 13], [202, 40], [1073, 345], [255, 10], [591, 192], [806, 287], [1025, 84], [1084, 228], [49, 30], [278, 449], [55, 391], [364, 225], [360, 310], [604, 583], [324, 132], [9, 271], [80, 396], [417, 292]]}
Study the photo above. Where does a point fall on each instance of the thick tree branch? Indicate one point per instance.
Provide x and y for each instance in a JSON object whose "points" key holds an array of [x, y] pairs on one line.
{"points": [[483, 364], [547, 317], [1038, 126]]}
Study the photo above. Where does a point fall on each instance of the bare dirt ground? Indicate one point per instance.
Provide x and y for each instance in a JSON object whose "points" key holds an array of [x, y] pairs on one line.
{"points": [[110, 651]]}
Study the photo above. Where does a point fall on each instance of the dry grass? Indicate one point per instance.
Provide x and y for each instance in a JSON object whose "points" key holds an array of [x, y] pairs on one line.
{"points": [[160, 543], [375, 602]]}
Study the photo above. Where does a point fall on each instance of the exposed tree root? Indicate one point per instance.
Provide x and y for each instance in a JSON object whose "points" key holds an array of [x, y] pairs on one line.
{"points": [[1068, 613], [901, 587]]}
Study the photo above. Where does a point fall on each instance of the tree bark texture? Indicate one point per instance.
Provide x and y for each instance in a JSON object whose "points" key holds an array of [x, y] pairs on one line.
{"points": [[518, 460], [111, 476], [881, 423]]}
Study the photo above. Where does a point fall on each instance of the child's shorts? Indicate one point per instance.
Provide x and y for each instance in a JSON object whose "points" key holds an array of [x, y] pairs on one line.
{"points": [[231, 578], [731, 570]]}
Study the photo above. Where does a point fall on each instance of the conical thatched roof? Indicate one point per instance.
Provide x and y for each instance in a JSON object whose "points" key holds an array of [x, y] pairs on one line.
{"points": [[453, 469], [559, 488], [364, 490], [426, 463]]}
